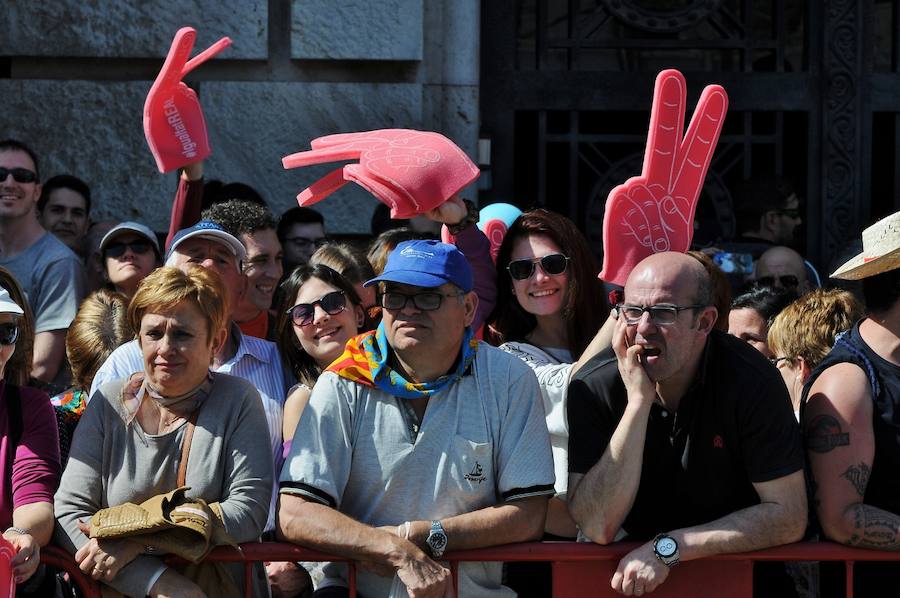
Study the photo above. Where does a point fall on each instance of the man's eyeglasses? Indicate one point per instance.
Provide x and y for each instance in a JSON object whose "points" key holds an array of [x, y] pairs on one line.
{"points": [[118, 249], [426, 301], [332, 304], [789, 281], [20, 175], [776, 360], [306, 242], [790, 213], [9, 333], [660, 315], [553, 264]]}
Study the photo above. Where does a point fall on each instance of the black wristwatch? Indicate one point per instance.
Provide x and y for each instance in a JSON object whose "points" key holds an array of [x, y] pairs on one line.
{"points": [[470, 219], [437, 539], [666, 550]]}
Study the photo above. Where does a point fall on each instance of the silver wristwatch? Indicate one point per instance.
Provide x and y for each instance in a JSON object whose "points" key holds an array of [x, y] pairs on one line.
{"points": [[437, 539], [666, 549]]}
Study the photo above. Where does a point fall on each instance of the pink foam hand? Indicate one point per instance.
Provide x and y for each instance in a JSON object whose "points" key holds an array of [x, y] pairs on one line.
{"points": [[7, 579], [173, 120], [654, 212], [410, 171]]}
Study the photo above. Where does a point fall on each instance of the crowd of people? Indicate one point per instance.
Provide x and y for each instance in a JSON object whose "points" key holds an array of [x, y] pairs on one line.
{"points": [[247, 378]]}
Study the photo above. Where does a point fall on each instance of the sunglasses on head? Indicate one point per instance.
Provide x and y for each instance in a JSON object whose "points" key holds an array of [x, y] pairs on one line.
{"points": [[118, 249], [9, 333], [552, 265], [787, 280], [332, 304], [20, 175]]}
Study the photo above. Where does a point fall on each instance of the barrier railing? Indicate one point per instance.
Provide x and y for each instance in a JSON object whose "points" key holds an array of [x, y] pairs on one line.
{"points": [[62, 560], [578, 570]]}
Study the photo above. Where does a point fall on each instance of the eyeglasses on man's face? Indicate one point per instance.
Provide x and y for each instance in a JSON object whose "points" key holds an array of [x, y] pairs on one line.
{"points": [[660, 315], [19, 175], [306, 242], [788, 281], [424, 301]]}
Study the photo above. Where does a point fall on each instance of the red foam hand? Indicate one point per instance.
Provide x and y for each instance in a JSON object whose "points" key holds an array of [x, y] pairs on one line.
{"points": [[654, 212], [410, 171], [173, 120], [7, 580]]}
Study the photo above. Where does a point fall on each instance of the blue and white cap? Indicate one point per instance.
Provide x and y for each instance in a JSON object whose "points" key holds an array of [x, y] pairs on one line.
{"points": [[206, 229], [426, 264], [7, 305]]}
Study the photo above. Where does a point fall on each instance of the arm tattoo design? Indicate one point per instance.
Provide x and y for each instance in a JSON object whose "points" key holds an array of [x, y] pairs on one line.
{"points": [[858, 475], [874, 528], [824, 434]]}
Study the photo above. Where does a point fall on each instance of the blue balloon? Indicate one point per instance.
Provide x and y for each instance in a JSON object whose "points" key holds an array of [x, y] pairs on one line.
{"points": [[504, 212]]}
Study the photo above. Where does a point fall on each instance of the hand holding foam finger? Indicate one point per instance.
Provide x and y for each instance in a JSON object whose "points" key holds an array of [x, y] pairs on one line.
{"points": [[410, 171]]}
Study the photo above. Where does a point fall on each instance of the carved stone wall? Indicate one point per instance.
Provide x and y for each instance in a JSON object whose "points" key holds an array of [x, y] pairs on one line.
{"points": [[846, 114], [74, 76]]}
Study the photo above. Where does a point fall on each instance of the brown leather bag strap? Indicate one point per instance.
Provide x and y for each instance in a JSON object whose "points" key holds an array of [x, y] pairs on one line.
{"points": [[186, 448]]}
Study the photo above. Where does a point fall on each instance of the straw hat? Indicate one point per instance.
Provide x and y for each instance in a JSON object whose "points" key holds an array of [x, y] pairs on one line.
{"points": [[881, 251]]}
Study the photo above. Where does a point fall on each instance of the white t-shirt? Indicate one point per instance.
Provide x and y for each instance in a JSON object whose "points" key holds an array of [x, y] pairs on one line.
{"points": [[481, 442], [552, 367]]}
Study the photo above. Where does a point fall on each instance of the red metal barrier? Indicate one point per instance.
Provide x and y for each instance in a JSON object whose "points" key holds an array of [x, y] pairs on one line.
{"points": [[62, 560], [579, 570]]}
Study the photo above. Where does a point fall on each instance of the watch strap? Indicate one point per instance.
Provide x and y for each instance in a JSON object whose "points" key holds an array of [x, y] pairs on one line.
{"points": [[471, 218], [668, 561]]}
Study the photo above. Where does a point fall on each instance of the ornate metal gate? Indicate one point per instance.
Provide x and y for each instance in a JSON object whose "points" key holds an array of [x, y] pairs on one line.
{"points": [[814, 91]]}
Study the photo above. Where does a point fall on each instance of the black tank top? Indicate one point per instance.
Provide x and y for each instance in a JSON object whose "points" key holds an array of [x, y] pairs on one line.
{"points": [[883, 490]]}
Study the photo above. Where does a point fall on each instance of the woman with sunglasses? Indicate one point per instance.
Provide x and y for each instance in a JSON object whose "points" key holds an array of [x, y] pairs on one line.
{"points": [[319, 313], [550, 310], [29, 452], [129, 252]]}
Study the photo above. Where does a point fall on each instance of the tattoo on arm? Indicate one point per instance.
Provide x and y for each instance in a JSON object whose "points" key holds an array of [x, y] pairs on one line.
{"points": [[874, 528], [858, 475], [825, 433]]}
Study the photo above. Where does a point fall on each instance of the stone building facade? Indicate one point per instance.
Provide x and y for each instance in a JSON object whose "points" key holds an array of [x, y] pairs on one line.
{"points": [[74, 76]]}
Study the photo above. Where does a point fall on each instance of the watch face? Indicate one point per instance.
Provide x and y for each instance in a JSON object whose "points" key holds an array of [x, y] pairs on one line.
{"points": [[437, 541], [666, 546]]}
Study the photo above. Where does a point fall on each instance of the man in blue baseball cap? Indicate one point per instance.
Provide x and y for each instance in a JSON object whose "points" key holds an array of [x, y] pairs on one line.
{"points": [[449, 430]]}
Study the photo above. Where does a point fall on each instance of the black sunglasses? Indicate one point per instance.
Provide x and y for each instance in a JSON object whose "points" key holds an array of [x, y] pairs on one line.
{"points": [[552, 265], [20, 175], [118, 249], [426, 301], [787, 280], [9, 333], [332, 303]]}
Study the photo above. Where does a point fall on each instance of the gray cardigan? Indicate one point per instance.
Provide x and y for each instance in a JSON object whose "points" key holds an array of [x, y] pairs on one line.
{"points": [[111, 463]]}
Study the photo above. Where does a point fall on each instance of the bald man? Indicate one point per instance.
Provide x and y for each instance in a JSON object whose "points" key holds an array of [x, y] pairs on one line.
{"points": [[782, 268], [681, 436]]}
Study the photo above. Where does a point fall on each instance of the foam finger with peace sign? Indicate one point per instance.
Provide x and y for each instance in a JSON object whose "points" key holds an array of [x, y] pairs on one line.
{"points": [[654, 212]]}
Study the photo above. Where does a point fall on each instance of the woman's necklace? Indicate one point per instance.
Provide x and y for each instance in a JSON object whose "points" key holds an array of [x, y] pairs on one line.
{"points": [[167, 424]]}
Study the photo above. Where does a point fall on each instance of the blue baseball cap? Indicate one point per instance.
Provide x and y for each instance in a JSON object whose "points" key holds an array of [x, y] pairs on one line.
{"points": [[426, 264], [206, 229]]}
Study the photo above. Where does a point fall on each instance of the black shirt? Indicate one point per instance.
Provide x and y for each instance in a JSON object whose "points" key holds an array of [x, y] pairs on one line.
{"points": [[734, 426]]}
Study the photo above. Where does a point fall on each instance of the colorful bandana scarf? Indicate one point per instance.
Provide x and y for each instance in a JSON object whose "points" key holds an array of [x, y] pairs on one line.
{"points": [[365, 361]]}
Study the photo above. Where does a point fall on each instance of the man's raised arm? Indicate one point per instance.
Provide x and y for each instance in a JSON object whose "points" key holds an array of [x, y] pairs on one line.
{"points": [[600, 501]]}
